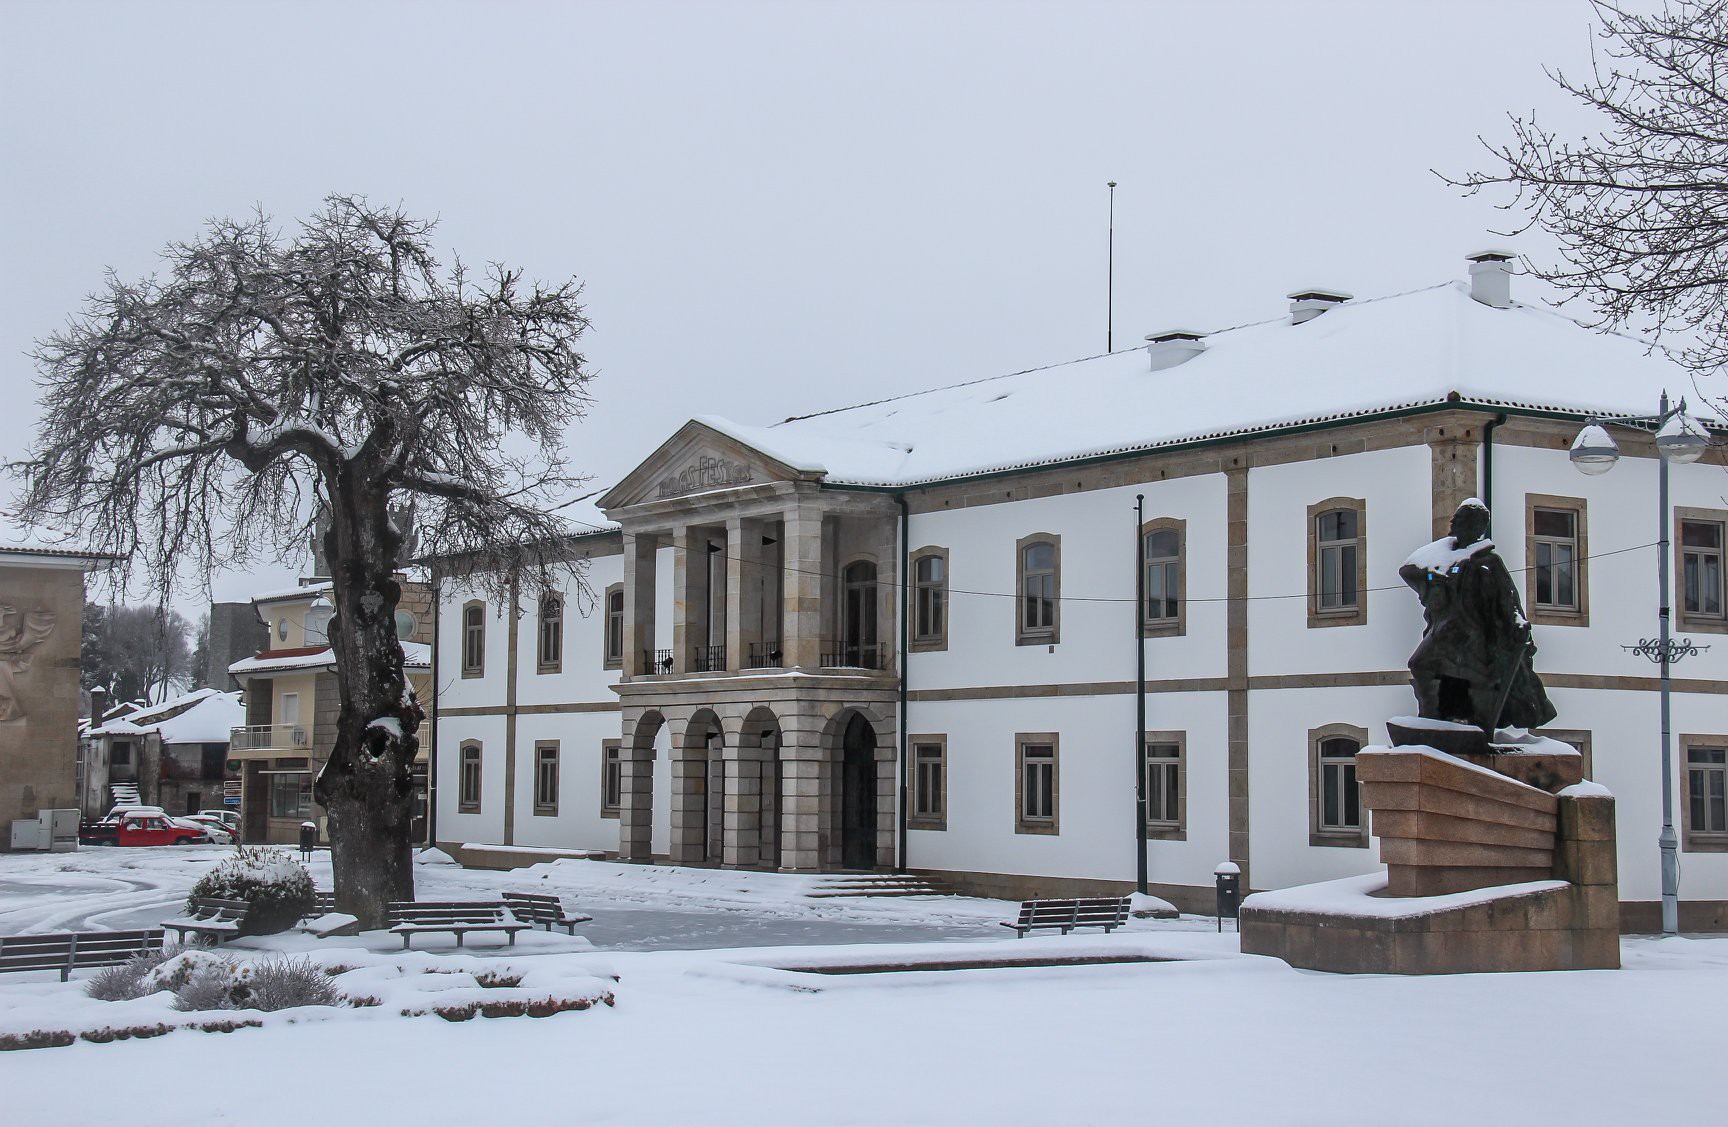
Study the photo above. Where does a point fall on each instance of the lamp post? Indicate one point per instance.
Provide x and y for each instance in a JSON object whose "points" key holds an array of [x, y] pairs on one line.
{"points": [[1678, 439]]}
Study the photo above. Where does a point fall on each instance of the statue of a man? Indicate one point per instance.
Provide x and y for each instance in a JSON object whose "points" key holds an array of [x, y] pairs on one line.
{"points": [[1473, 664]]}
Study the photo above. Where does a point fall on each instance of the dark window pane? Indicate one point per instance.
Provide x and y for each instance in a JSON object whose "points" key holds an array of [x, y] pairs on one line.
{"points": [[1700, 534], [1554, 522], [1162, 543]]}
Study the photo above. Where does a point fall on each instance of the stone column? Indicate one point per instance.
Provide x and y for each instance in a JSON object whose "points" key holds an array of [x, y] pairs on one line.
{"points": [[742, 844], [689, 844], [690, 596], [800, 794], [802, 582], [743, 589], [636, 805], [640, 564]]}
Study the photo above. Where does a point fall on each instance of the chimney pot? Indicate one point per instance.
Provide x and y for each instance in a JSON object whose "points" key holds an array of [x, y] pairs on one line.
{"points": [[1174, 346], [1491, 277], [1305, 305]]}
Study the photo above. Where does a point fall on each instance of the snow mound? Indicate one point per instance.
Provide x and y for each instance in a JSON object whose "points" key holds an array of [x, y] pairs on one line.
{"points": [[1142, 906], [432, 855]]}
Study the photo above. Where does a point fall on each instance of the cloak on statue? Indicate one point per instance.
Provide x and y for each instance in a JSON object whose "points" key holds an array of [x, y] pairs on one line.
{"points": [[1473, 664]]}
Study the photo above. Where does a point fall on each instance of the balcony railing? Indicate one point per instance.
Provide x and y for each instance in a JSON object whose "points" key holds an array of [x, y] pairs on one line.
{"points": [[764, 655], [853, 656], [708, 659], [271, 737], [656, 662]]}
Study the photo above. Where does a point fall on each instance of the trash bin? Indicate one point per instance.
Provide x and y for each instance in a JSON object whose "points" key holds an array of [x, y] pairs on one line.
{"points": [[308, 839], [1228, 876]]}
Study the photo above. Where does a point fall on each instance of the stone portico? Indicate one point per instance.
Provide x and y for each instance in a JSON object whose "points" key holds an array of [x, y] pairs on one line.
{"points": [[777, 698]]}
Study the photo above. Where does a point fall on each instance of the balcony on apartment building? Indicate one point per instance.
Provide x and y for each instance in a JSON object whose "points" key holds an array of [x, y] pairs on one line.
{"points": [[271, 737]]}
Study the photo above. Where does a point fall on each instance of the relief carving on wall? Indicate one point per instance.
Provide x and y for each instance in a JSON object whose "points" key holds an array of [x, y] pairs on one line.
{"points": [[21, 632]]}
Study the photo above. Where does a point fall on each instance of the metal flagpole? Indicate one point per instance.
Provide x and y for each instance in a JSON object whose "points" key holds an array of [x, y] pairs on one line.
{"points": [[1110, 282], [1140, 692]]}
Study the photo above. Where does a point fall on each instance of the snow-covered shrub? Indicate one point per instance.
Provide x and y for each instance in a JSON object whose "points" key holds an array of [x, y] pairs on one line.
{"points": [[278, 888], [269, 984], [185, 965], [126, 981]]}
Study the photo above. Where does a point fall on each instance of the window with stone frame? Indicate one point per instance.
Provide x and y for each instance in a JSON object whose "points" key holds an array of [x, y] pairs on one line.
{"points": [[611, 778], [929, 810], [1336, 814], [546, 777], [1165, 546], [1700, 536], [614, 603], [468, 778], [1037, 783], [1556, 548], [1338, 562], [1704, 813], [1166, 767], [474, 639], [1038, 584], [929, 600], [550, 650]]}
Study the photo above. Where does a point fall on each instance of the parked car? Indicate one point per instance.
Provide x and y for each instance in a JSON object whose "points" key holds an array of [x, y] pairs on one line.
{"points": [[144, 825], [220, 832], [229, 818]]}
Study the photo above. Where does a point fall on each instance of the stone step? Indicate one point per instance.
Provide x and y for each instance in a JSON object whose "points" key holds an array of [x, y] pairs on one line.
{"points": [[1433, 768], [1423, 825], [866, 884]]}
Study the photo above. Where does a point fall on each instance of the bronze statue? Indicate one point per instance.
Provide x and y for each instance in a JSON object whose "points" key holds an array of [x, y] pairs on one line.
{"points": [[1473, 664]]}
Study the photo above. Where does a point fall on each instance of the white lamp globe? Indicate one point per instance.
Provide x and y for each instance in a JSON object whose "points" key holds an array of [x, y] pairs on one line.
{"points": [[1682, 438], [1594, 451]]}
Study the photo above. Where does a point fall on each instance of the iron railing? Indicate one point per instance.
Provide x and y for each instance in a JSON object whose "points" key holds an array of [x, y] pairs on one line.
{"points": [[708, 659], [764, 656], [270, 737], [656, 662], [853, 655]]}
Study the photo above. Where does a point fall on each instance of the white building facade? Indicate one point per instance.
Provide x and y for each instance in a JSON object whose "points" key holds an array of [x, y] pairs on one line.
{"points": [[902, 634]]}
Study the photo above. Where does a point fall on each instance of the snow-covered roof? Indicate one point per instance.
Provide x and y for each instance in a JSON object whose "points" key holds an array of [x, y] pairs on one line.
{"points": [[304, 591], [20, 547], [1421, 349], [415, 655], [200, 717]]}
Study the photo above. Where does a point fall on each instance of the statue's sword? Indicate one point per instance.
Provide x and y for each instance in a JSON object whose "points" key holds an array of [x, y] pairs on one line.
{"points": [[1512, 661]]}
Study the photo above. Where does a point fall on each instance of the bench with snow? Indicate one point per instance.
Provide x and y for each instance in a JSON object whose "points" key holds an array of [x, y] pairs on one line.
{"points": [[210, 919], [323, 903], [68, 951], [409, 918], [1107, 912], [547, 910]]}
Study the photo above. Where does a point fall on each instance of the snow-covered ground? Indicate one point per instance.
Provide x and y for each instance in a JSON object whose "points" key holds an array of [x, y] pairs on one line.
{"points": [[728, 1036]]}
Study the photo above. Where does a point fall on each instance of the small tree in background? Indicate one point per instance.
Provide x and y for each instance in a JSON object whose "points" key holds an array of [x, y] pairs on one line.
{"points": [[1641, 208], [195, 419], [137, 653]]}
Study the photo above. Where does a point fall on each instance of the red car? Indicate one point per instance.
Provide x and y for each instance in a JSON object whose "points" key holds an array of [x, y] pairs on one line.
{"points": [[144, 828]]}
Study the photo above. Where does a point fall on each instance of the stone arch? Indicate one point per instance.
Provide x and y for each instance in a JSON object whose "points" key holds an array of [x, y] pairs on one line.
{"points": [[858, 765], [698, 789], [754, 782]]}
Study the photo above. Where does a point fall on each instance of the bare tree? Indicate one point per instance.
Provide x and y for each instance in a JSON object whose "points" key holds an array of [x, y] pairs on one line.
{"points": [[198, 417], [1641, 208], [137, 653]]}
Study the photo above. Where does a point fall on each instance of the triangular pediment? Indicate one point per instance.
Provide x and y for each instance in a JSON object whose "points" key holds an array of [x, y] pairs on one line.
{"points": [[697, 459]]}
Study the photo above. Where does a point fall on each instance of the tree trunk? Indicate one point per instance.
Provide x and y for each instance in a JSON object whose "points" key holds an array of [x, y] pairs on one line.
{"points": [[367, 784]]}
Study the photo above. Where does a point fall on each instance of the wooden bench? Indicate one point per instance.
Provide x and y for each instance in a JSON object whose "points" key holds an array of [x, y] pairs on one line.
{"points": [[68, 951], [548, 910], [1107, 912], [210, 919], [323, 903], [409, 918]]}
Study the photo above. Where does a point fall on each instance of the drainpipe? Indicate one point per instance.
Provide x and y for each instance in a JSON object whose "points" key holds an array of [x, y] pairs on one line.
{"points": [[905, 532], [1488, 465]]}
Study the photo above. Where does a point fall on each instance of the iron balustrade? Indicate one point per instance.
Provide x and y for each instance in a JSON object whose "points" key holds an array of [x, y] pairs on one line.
{"points": [[763, 656], [853, 656], [708, 659], [270, 737], [656, 662]]}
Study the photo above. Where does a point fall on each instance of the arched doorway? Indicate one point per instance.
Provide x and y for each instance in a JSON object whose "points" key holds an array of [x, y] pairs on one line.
{"points": [[635, 786], [760, 782], [858, 794], [698, 792]]}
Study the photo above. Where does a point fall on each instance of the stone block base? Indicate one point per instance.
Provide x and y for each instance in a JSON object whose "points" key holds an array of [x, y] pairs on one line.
{"points": [[1345, 927]]}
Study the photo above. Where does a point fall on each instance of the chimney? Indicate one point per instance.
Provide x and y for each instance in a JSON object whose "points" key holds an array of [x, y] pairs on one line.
{"points": [[1491, 277], [1174, 346], [98, 705], [1305, 305]]}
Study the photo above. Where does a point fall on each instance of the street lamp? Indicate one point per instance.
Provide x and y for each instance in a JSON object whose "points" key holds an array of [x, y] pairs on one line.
{"points": [[1679, 439]]}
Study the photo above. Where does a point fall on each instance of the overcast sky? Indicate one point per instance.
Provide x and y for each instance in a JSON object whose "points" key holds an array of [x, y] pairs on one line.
{"points": [[780, 207]]}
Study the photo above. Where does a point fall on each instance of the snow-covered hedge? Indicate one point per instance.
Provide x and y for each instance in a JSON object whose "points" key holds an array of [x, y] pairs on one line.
{"points": [[278, 888]]}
